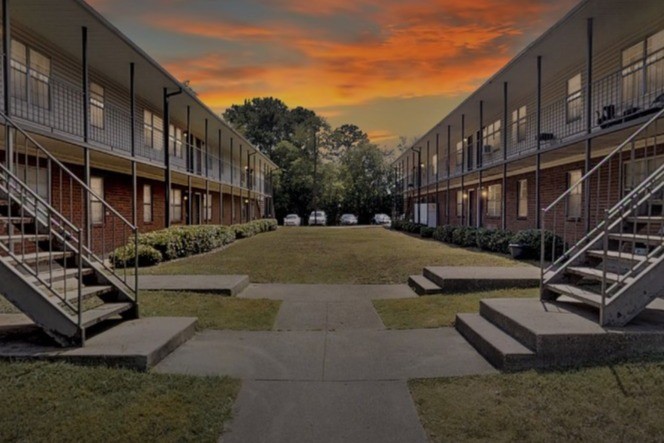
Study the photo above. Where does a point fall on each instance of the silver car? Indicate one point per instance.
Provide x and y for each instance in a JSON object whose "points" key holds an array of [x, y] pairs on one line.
{"points": [[292, 220], [318, 218], [382, 219], [348, 219]]}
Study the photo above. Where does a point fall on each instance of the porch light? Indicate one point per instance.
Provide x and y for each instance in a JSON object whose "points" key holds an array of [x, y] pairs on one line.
{"points": [[465, 195]]}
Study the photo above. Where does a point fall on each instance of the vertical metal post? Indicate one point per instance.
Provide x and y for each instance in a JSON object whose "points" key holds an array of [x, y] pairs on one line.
{"points": [[167, 162], [242, 207], [132, 120], [480, 137], [588, 117], [538, 167], [88, 203], [437, 178], [207, 150], [86, 84], [463, 162], [449, 180], [232, 166], [6, 84], [221, 180], [190, 141], [315, 196], [428, 190], [505, 140]]}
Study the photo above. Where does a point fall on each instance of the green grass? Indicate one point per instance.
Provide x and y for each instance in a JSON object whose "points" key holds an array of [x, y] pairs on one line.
{"points": [[607, 404], [213, 311], [437, 311], [59, 402], [330, 255]]}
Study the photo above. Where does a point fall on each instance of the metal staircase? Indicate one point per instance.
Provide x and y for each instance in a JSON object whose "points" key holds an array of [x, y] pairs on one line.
{"points": [[53, 263], [617, 267]]}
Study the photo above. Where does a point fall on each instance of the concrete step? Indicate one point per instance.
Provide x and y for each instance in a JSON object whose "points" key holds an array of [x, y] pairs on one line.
{"points": [[423, 286], [87, 292], [16, 220], [617, 255], [598, 274], [644, 219], [507, 323], [587, 297], [38, 257], [480, 278], [101, 313], [26, 237], [58, 275], [499, 348], [637, 238]]}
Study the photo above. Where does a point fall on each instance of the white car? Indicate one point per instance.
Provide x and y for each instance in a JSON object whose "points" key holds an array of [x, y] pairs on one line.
{"points": [[292, 220], [318, 218], [348, 219], [382, 219]]}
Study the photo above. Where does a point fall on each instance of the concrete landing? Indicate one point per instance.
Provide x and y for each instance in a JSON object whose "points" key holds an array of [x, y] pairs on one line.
{"points": [[326, 293], [230, 285], [136, 344], [561, 333], [478, 278]]}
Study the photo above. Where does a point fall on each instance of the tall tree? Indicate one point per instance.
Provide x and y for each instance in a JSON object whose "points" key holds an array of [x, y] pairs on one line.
{"points": [[264, 121]]}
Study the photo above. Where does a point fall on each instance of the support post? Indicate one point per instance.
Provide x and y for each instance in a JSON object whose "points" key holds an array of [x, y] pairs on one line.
{"points": [[463, 163], [86, 84], [232, 186], [6, 75], [437, 178], [221, 179], [242, 207], [132, 120], [588, 117], [538, 194], [449, 180], [505, 140], [167, 152]]}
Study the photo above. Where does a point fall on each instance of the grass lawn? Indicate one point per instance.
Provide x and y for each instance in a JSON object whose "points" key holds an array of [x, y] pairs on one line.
{"points": [[330, 255], [607, 404], [436, 311], [59, 402], [213, 311]]}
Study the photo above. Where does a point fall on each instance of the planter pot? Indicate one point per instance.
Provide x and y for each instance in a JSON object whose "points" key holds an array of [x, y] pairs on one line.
{"points": [[518, 251]]}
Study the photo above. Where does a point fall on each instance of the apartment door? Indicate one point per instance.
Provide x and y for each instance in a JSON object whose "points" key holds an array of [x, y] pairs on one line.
{"points": [[472, 207], [196, 207]]}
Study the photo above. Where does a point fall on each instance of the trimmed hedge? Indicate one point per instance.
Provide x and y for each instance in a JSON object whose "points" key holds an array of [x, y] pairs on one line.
{"points": [[492, 240], [183, 241]]}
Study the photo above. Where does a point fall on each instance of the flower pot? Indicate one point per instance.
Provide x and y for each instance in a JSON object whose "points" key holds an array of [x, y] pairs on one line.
{"points": [[517, 251]]}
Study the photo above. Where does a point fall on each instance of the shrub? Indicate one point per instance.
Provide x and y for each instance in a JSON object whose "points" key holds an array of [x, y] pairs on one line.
{"points": [[426, 232], [500, 240], [444, 233], [483, 238], [124, 257], [531, 240]]}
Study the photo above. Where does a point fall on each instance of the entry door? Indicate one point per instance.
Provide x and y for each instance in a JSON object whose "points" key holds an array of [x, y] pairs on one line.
{"points": [[196, 207]]}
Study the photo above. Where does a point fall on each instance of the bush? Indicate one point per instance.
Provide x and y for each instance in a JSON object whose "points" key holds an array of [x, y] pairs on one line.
{"points": [[183, 241], [444, 233], [426, 232], [500, 241], [531, 240], [124, 257]]}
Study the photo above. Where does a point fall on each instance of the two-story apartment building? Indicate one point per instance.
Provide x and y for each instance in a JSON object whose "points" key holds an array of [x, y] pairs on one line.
{"points": [[566, 138], [100, 143]]}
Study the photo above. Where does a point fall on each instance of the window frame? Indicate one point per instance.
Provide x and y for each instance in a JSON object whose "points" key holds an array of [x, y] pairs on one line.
{"points": [[148, 207], [492, 136], [574, 100], [576, 194], [97, 219], [459, 204], [494, 204], [522, 199], [520, 124], [97, 102], [25, 73], [176, 204]]}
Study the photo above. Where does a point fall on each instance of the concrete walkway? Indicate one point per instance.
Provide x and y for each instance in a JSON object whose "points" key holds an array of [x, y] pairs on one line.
{"points": [[329, 371], [211, 284]]}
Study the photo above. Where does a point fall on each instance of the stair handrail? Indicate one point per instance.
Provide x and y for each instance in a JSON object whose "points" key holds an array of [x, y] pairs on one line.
{"points": [[104, 203]]}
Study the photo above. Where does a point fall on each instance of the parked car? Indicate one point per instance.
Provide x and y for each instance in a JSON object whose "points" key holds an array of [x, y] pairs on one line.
{"points": [[381, 219], [292, 220], [348, 219], [318, 218]]}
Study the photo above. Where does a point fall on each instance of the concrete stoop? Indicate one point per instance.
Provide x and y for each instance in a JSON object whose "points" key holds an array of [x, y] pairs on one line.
{"points": [[454, 279], [136, 344], [229, 285], [520, 334]]}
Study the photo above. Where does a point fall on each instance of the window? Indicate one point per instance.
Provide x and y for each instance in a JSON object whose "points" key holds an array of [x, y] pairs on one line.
{"points": [[147, 203], [176, 205], [495, 201], [31, 75], [574, 199], [153, 131], [519, 124], [96, 206], [97, 105], [637, 171], [655, 63], [491, 140], [207, 207], [434, 164], [459, 155], [35, 178], [574, 99], [522, 195], [459, 203], [175, 139]]}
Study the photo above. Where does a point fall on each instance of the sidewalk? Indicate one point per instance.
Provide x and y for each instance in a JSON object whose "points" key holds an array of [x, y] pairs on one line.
{"points": [[329, 371]]}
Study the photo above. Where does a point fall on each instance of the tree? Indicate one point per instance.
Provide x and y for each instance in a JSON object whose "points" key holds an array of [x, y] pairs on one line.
{"points": [[345, 137], [263, 121]]}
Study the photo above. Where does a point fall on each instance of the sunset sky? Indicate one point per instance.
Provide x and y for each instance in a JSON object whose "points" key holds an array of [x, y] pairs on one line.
{"points": [[392, 67]]}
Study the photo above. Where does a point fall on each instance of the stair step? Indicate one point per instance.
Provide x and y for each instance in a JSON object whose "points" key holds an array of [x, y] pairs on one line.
{"points": [[617, 255], [587, 297], [16, 220], [101, 313], [501, 349], [645, 219], [598, 275], [58, 275], [38, 257], [637, 238], [423, 286], [86, 292], [26, 237]]}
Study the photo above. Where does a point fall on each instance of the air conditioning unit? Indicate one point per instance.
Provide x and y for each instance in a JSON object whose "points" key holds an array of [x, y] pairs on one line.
{"points": [[487, 149]]}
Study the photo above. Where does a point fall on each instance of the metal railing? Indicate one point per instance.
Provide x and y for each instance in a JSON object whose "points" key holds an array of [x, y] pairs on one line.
{"points": [[103, 228], [564, 218]]}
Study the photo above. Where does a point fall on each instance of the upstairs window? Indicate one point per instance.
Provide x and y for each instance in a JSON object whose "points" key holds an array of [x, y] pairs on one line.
{"points": [[97, 105], [632, 73], [31, 75], [153, 131], [519, 122], [655, 63], [491, 138], [643, 70], [574, 99], [175, 141], [459, 155]]}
